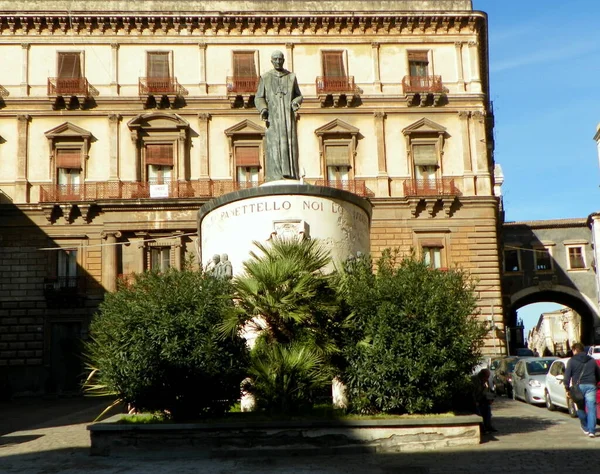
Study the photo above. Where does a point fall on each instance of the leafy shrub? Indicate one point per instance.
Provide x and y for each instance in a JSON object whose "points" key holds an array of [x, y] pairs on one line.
{"points": [[156, 345], [414, 336]]}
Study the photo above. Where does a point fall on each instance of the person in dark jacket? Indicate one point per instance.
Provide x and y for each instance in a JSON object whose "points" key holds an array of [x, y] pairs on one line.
{"points": [[582, 370]]}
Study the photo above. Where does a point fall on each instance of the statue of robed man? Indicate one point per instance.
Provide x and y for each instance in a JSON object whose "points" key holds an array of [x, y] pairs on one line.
{"points": [[277, 99]]}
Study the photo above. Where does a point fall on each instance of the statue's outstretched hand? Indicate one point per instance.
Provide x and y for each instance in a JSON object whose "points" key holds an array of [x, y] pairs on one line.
{"points": [[295, 106], [264, 114]]}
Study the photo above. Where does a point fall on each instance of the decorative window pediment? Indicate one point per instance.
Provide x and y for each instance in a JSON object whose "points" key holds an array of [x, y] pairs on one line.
{"points": [[335, 127], [337, 148], [68, 147], [68, 130], [425, 142], [425, 126], [245, 127], [161, 141]]}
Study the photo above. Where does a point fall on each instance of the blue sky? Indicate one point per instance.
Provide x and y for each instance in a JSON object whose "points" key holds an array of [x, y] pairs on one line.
{"points": [[544, 82]]}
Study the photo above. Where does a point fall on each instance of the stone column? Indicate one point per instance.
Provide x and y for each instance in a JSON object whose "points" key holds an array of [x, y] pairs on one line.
{"points": [[113, 147], [376, 71], [114, 68], [182, 171], [480, 156], [21, 183], [202, 51], [177, 245], [139, 246], [383, 184], [459, 65], [25, 69], [109, 260], [474, 64], [468, 176], [289, 47], [203, 143]]}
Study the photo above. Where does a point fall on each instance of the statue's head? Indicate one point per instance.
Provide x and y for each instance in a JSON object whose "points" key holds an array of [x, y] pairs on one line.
{"points": [[224, 257], [277, 60], [216, 258]]}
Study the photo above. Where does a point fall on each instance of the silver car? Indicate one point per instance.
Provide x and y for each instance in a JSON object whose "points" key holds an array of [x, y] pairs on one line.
{"points": [[556, 395], [529, 379]]}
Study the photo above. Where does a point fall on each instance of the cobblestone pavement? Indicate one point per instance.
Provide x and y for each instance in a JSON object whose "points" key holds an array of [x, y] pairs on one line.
{"points": [[530, 439]]}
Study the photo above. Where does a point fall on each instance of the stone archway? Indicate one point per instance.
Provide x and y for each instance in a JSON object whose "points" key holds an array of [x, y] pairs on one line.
{"points": [[590, 318]]}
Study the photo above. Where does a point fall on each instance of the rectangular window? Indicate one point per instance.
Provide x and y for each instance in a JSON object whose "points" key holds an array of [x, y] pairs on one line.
{"points": [[243, 64], [157, 65], [66, 268], [159, 174], [512, 260], [418, 63], [247, 174], [432, 256], [69, 66], [543, 259], [338, 173], [160, 258], [576, 259], [333, 64]]}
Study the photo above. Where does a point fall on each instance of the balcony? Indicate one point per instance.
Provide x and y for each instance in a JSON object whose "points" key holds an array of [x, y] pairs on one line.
{"points": [[155, 90], [241, 90], [433, 187], [355, 186], [337, 91], [422, 89], [77, 90], [124, 190]]}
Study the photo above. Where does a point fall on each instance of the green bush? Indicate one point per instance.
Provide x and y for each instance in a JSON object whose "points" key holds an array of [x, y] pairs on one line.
{"points": [[156, 345], [413, 339]]}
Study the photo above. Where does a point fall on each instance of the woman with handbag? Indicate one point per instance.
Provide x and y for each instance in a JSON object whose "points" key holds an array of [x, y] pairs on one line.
{"points": [[583, 371]]}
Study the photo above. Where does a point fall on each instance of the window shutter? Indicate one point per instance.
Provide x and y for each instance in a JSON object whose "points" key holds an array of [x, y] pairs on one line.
{"points": [[69, 65], [337, 155], [247, 156], [243, 64], [69, 158], [420, 56], [158, 65], [424, 155], [161, 155], [333, 64]]}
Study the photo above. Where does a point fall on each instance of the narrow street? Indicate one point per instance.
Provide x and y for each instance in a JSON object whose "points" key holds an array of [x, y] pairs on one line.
{"points": [[530, 439]]}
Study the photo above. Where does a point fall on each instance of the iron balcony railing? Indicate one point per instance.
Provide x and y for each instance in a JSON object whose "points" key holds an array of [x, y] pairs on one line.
{"points": [[98, 191], [328, 85], [65, 283], [160, 86], [355, 186], [415, 84], [58, 86], [431, 187], [247, 85]]}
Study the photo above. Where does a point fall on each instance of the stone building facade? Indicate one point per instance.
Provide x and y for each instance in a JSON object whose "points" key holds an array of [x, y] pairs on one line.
{"points": [[119, 120]]}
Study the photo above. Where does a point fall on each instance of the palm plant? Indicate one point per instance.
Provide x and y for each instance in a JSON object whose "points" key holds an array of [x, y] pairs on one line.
{"points": [[286, 298]]}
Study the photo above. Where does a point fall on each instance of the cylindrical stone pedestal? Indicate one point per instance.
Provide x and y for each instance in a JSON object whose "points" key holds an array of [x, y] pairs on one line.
{"points": [[231, 223]]}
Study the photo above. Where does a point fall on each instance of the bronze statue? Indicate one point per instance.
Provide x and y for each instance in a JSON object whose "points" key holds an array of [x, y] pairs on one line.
{"points": [[277, 99]]}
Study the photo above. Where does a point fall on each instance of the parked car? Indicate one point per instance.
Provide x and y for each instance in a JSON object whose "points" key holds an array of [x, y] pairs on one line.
{"points": [[503, 375], [594, 351], [556, 395], [529, 379]]}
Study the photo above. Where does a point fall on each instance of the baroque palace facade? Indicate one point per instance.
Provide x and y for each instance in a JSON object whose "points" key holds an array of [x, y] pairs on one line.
{"points": [[119, 120]]}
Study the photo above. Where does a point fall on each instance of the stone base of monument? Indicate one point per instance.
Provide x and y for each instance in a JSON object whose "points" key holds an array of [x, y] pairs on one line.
{"points": [[274, 438], [231, 223]]}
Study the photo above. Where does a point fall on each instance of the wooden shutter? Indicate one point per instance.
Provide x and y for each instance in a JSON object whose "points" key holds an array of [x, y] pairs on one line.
{"points": [[247, 156], [333, 64], [337, 155], [420, 56], [424, 155], [69, 65], [243, 64], [161, 155], [69, 158], [158, 65]]}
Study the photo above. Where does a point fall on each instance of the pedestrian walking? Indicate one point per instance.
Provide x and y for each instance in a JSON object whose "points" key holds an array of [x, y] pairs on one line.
{"points": [[483, 398], [582, 370]]}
